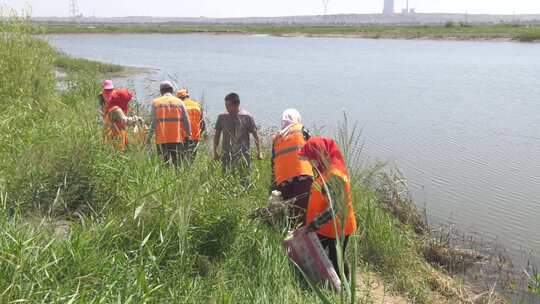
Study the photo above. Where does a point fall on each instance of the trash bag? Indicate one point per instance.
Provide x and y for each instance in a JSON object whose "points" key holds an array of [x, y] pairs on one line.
{"points": [[305, 250]]}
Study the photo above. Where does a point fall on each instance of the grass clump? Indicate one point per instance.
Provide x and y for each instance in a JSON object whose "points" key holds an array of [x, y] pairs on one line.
{"points": [[70, 64], [529, 36]]}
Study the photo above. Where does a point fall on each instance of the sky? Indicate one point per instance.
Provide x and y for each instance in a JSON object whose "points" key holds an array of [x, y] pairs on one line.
{"points": [[244, 8]]}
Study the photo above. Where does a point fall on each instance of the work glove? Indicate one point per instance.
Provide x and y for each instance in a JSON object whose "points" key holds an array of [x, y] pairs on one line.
{"points": [[133, 120]]}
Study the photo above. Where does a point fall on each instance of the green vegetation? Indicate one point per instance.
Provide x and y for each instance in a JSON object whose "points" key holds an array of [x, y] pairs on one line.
{"points": [[450, 30], [529, 36], [82, 223], [72, 65], [536, 288], [534, 282]]}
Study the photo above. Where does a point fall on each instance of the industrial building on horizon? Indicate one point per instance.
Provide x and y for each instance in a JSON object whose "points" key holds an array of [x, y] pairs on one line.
{"points": [[406, 16], [343, 19], [388, 7]]}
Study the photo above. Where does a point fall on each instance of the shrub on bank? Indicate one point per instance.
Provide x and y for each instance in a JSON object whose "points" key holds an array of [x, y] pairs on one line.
{"points": [[529, 36]]}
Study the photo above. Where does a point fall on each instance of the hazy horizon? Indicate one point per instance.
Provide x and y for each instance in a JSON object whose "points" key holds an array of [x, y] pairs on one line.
{"points": [[247, 8]]}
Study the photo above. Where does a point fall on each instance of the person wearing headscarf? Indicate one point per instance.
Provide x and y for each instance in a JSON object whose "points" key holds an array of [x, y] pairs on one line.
{"points": [[330, 201], [290, 175]]}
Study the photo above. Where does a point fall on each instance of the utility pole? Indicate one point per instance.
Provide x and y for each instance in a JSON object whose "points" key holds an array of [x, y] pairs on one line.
{"points": [[73, 9], [325, 6]]}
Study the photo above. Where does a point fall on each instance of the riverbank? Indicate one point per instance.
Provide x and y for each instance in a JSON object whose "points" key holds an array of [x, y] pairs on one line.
{"points": [[450, 31], [88, 224], [69, 65]]}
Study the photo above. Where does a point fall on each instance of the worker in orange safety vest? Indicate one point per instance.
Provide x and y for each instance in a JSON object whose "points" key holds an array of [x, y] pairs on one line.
{"points": [[119, 96], [116, 122], [330, 210], [169, 118], [291, 175], [196, 119], [114, 109]]}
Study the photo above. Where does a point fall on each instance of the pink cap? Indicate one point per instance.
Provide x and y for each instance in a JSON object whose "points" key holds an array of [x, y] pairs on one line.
{"points": [[108, 85]]}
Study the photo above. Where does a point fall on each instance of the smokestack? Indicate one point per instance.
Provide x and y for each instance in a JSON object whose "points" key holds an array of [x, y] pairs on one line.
{"points": [[388, 7]]}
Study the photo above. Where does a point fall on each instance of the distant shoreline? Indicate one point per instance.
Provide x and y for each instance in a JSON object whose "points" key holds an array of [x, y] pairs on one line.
{"points": [[400, 37], [449, 31]]}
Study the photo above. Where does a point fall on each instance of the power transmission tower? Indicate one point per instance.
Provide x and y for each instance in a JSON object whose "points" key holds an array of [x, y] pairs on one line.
{"points": [[73, 8], [325, 6]]}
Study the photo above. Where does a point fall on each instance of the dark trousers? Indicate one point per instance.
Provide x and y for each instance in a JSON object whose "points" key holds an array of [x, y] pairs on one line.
{"points": [[330, 246], [190, 149], [298, 189], [171, 153]]}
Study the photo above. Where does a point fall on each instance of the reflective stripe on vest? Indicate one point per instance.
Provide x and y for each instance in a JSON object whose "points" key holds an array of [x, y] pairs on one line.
{"points": [[287, 150], [287, 164], [168, 106], [194, 112], [168, 119], [318, 203]]}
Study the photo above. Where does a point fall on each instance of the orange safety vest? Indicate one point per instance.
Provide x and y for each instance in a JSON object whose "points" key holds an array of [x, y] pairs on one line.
{"points": [[287, 164], [115, 131], [194, 112], [168, 120], [318, 203]]}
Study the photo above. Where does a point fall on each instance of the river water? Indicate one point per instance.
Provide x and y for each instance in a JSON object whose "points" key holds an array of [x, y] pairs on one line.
{"points": [[460, 119]]}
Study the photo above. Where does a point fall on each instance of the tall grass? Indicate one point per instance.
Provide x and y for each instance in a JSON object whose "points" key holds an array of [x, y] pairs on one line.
{"points": [[83, 223], [26, 63]]}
